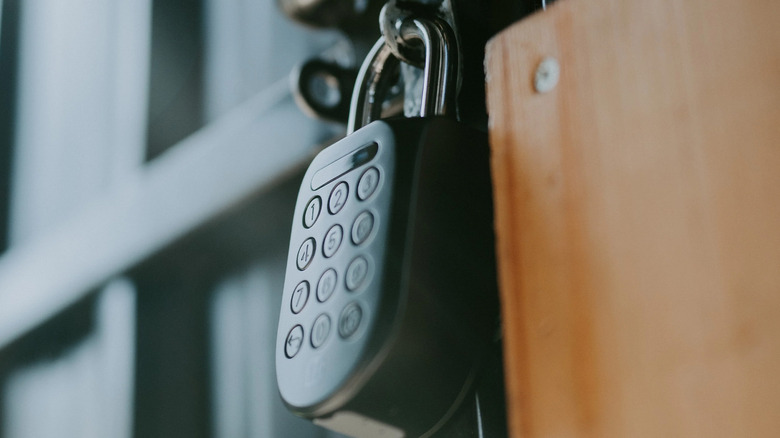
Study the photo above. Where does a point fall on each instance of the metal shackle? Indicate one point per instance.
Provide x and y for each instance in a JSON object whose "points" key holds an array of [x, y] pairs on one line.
{"points": [[439, 72]]}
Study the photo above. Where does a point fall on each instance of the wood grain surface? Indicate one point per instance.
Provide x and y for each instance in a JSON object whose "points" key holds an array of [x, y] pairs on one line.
{"points": [[638, 218]]}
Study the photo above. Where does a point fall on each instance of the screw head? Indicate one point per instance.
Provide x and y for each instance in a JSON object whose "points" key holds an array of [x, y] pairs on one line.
{"points": [[547, 74]]}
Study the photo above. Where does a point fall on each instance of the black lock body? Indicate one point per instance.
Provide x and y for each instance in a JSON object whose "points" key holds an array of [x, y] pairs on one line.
{"points": [[390, 295]]}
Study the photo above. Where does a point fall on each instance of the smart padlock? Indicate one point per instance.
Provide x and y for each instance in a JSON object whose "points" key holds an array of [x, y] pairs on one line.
{"points": [[390, 296]]}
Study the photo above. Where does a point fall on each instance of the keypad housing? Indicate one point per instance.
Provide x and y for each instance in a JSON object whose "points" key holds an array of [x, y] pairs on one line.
{"points": [[349, 236], [415, 307]]}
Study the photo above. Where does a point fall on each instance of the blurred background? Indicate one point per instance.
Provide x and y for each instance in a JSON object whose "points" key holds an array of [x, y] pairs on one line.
{"points": [[150, 153], [148, 157]]}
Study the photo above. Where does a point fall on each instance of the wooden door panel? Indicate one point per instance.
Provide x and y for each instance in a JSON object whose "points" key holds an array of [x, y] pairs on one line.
{"points": [[638, 218]]}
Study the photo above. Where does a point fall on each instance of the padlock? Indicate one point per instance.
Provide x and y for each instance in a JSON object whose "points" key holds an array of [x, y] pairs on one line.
{"points": [[390, 296]]}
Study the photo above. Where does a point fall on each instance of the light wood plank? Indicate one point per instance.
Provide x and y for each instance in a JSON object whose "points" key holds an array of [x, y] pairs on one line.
{"points": [[638, 218]]}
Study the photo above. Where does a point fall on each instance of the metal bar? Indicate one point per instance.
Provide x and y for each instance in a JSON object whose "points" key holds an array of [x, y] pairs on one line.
{"points": [[249, 151]]}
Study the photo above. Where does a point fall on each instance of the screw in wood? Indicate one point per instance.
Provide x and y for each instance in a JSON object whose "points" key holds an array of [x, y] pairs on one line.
{"points": [[547, 74]]}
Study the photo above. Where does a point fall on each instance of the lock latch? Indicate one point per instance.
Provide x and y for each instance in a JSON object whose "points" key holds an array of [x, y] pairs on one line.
{"points": [[440, 65]]}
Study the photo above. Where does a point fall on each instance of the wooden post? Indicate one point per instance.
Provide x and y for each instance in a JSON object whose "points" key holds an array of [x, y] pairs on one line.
{"points": [[638, 218]]}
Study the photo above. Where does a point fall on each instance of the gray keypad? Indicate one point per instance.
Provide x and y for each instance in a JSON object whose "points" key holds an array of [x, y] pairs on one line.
{"points": [[355, 273], [338, 269]]}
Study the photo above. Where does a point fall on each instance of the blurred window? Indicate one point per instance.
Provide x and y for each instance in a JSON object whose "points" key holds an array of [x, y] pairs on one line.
{"points": [[9, 32]]}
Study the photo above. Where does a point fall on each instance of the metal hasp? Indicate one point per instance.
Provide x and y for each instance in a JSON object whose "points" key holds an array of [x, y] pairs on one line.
{"points": [[439, 71]]}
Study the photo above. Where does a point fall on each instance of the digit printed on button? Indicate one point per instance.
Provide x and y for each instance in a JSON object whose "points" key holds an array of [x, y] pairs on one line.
{"points": [[332, 240], [299, 297], [349, 321], [362, 227], [320, 330], [368, 183], [306, 253], [312, 211], [338, 197], [356, 273], [327, 285]]}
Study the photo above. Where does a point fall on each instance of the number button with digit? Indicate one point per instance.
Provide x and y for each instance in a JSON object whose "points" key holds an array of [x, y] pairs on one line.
{"points": [[362, 227], [300, 296], [333, 285], [320, 330], [357, 272], [368, 183], [306, 253], [332, 240], [349, 321], [312, 211], [338, 197], [327, 285]]}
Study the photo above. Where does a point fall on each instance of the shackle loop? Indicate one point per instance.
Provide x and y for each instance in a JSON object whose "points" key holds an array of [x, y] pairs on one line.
{"points": [[439, 71]]}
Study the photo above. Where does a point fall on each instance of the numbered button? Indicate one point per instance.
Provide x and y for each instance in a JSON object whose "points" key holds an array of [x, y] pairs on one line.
{"points": [[338, 197], [332, 240], [306, 253], [368, 183], [294, 341], [327, 285], [362, 227], [357, 271], [312, 211], [299, 297], [320, 330], [349, 321]]}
